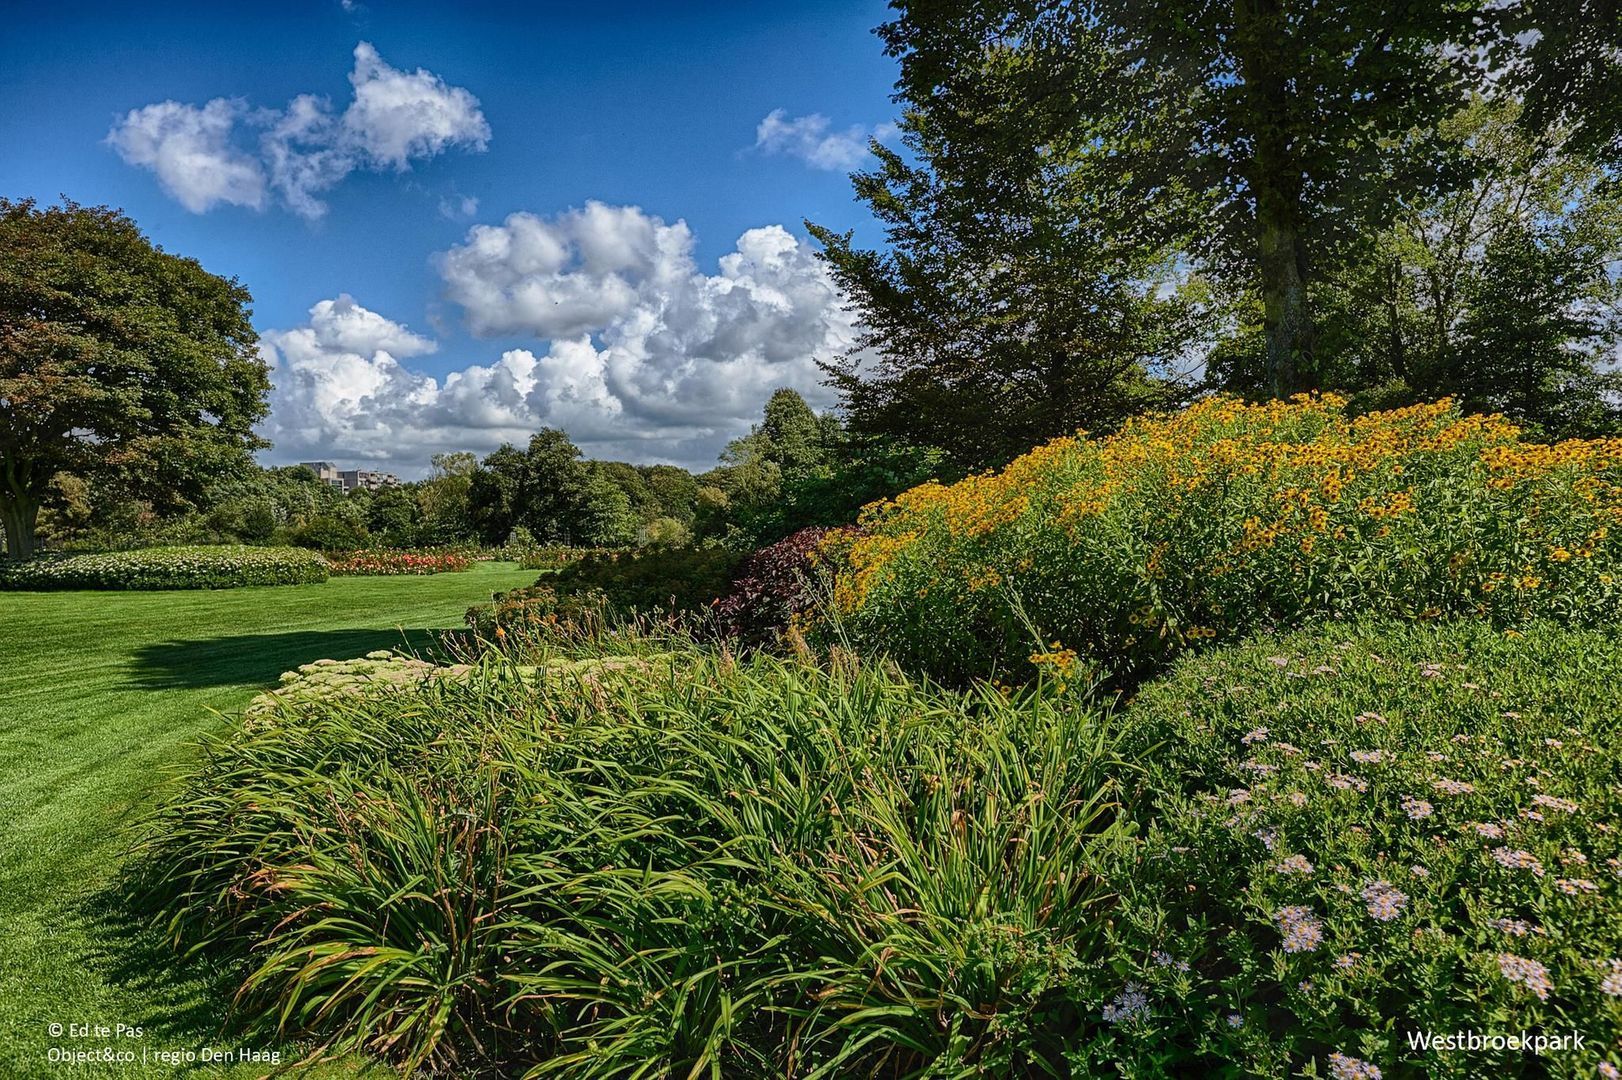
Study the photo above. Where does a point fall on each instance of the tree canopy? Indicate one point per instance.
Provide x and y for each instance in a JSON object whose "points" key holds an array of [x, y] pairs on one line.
{"points": [[117, 359], [1061, 157]]}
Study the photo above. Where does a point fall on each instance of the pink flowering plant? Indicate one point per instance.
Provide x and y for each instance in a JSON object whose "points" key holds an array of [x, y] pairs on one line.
{"points": [[1424, 838]]}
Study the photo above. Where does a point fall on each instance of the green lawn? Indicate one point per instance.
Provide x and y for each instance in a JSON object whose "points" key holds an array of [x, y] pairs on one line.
{"points": [[101, 697]]}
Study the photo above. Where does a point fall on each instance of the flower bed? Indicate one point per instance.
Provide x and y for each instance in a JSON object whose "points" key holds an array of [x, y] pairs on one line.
{"points": [[735, 868], [1360, 833], [388, 562], [1227, 518], [221, 567]]}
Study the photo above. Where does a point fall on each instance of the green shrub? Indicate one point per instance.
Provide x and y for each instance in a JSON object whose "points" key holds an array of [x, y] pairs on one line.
{"points": [[1226, 519], [551, 557], [324, 532], [390, 562], [756, 869], [222, 567], [536, 609], [653, 579], [1360, 833]]}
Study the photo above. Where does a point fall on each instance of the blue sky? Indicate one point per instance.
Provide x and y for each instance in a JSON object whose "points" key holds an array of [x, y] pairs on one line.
{"points": [[366, 161]]}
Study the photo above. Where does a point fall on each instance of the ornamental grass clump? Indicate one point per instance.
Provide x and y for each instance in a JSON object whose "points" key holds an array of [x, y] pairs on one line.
{"points": [[204, 567], [700, 867], [1318, 915], [1209, 524]]}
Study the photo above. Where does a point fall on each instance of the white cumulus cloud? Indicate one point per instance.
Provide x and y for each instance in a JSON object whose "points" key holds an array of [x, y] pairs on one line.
{"points": [[809, 139], [207, 155], [639, 353], [189, 148]]}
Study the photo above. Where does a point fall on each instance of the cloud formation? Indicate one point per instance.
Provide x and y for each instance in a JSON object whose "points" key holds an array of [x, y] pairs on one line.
{"points": [[808, 138], [191, 151], [640, 355], [206, 155]]}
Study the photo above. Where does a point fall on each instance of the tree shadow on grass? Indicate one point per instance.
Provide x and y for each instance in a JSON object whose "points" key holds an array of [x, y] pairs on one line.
{"points": [[260, 659], [181, 1002]]}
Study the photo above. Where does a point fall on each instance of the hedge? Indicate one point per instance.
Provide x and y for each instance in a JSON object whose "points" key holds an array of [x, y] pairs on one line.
{"points": [[223, 567]]}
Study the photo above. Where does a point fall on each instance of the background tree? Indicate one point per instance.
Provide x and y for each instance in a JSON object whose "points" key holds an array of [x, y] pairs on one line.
{"points": [[496, 492], [604, 515], [554, 487], [1266, 139], [1503, 292], [674, 489], [394, 517], [116, 360], [443, 497]]}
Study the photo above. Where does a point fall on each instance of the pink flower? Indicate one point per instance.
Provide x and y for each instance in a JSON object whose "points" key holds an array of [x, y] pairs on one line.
{"points": [[1342, 1067], [1301, 928], [1385, 901], [1529, 973], [1515, 859], [1416, 808]]}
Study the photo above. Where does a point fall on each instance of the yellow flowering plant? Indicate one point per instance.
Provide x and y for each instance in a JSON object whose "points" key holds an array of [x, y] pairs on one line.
{"points": [[1230, 517]]}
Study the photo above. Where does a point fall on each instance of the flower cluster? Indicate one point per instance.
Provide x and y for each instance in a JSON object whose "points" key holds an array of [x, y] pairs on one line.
{"points": [[1302, 930], [1529, 973], [1376, 904], [1385, 901], [1227, 517]]}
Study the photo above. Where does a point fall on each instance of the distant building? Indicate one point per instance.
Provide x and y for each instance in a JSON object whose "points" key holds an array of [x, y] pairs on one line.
{"points": [[347, 480]]}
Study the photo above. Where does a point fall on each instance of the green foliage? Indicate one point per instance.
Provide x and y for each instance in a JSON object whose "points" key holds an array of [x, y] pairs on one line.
{"points": [[680, 579], [116, 359], [585, 591], [673, 490], [537, 557], [1226, 519], [328, 532], [1264, 144], [1501, 294], [559, 499], [382, 562], [605, 516], [706, 868], [1003, 309], [442, 499], [1440, 803], [222, 567], [859, 471], [394, 517], [666, 532], [521, 618]]}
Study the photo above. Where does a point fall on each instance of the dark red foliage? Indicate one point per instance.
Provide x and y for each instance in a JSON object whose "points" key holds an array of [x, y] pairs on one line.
{"points": [[771, 587]]}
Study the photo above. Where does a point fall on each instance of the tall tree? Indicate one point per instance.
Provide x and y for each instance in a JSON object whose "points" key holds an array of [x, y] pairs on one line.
{"points": [[1264, 137], [555, 487], [1001, 312], [117, 360], [1504, 293], [496, 493]]}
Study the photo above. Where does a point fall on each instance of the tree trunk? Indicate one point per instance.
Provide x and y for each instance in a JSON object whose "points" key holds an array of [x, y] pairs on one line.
{"points": [[20, 515], [1290, 368], [1266, 56]]}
